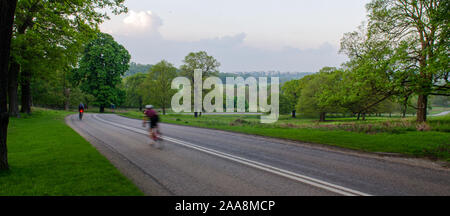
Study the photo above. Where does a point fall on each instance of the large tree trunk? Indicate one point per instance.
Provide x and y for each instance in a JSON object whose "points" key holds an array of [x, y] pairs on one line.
{"points": [[66, 99], [26, 92], [66, 93], [7, 8], [4, 120], [293, 114], [422, 104], [102, 108], [322, 116], [13, 83]]}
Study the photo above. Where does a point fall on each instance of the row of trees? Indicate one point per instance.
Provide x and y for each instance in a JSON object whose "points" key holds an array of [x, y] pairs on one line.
{"points": [[48, 41], [333, 90], [401, 53], [154, 86], [41, 44]]}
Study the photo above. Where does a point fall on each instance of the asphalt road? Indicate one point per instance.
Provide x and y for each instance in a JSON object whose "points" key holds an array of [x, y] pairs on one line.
{"points": [[201, 162], [442, 113]]}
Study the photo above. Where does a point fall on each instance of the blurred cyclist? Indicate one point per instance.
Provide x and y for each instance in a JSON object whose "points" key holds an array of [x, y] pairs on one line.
{"points": [[152, 117], [80, 111]]}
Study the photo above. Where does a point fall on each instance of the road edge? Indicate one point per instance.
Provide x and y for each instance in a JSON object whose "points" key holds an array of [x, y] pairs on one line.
{"points": [[144, 182]]}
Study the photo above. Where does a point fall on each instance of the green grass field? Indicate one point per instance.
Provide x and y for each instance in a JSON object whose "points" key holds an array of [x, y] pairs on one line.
{"points": [[377, 134], [48, 158]]}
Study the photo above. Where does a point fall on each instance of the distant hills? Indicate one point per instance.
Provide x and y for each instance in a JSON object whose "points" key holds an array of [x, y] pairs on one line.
{"points": [[284, 76]]}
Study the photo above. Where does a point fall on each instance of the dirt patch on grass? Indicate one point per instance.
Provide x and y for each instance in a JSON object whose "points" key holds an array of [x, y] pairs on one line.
{"points": [[239, 122]]}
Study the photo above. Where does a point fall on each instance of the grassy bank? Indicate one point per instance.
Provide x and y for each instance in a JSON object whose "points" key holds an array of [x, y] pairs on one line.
{"points": [[377, 134], [48, 158]]}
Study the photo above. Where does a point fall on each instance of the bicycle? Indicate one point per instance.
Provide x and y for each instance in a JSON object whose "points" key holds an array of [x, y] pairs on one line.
{"points": [[80, 115], [155, 136]]}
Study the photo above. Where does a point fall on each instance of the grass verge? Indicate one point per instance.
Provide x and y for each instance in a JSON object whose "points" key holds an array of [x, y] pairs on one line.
{"points": [[48, 158], [375, 135]]}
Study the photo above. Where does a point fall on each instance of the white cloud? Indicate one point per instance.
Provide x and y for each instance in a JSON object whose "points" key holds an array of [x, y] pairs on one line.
{"points": [[134, 23], [141, 19]]}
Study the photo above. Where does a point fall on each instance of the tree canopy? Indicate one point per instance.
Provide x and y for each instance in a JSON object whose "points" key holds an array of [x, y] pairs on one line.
{"points": [[49, 36], [157, 86], [317, 93], [101, 68], [421, 28], [199, 60], [133, 85]]}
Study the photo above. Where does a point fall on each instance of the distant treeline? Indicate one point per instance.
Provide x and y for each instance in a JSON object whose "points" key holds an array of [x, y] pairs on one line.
{"points": [[137, 68], [284, 76]]}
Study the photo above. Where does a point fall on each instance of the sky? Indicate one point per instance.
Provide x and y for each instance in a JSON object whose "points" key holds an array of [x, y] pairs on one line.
{"points": [[243, 35]]}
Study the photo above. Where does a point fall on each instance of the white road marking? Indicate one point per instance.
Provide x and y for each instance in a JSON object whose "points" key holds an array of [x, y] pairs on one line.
{"points": [[281, 172]]}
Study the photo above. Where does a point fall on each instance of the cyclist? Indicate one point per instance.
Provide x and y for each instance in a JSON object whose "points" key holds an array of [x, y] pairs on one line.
{"points": [[151, 116], [80, 111]]}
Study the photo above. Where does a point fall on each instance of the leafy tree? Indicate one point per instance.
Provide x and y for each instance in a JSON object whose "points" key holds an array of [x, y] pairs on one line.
{"points": [[377, 70], [387, 106], [101, 67], [134, 97], [315, 96], [290, 93], [55, 90], [51, 33], [423, 25], [157, 86], [404, 99], [286, 106], [199, 60], [7, 8], [333, 83]]}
